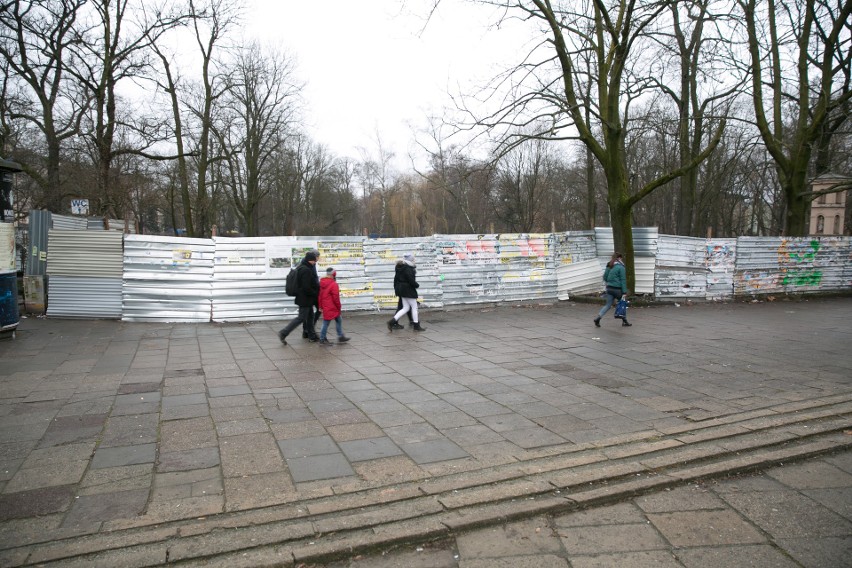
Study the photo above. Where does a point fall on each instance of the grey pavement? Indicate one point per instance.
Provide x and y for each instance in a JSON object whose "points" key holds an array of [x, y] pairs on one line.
{"points": [[789, 516], [130, 444]]}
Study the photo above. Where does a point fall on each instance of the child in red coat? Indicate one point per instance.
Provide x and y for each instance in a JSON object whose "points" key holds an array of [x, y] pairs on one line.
{"points": [[329, 304]]}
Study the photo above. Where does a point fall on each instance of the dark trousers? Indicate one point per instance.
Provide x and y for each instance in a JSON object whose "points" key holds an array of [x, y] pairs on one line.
{"points": [[315, 316], [305, 318]]}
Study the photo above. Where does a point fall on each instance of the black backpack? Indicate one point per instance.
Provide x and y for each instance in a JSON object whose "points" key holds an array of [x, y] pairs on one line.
{"points": [[292, 287]]}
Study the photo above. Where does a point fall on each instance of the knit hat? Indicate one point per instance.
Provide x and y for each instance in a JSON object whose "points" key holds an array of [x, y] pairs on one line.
{"points": [[310, 255], [409, 257], [330, 271]]}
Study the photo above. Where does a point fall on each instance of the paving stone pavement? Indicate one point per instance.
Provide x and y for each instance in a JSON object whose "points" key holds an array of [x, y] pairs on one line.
{"points": [[791, 516], [111, 431]]}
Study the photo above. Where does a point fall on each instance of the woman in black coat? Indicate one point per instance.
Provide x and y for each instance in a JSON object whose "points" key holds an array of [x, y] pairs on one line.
{"points": [[405, 286]]}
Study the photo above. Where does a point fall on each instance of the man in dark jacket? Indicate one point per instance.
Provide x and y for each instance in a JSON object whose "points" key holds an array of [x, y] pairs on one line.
{"points": [[307, 290]]}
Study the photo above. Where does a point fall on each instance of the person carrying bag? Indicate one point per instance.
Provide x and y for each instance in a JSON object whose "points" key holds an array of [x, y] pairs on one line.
{"points": [[615, 278]]}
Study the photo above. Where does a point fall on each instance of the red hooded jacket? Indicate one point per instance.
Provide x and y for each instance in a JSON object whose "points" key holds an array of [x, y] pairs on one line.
{"points": [[329, 298]]}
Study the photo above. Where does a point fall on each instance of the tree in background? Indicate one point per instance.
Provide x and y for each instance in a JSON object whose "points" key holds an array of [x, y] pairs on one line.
{"points": [[800, 53], [258, 112], [192, 105], [379, 180], [115, 47], [695, 56], [524, 183], [36, 44], [547, 88]]}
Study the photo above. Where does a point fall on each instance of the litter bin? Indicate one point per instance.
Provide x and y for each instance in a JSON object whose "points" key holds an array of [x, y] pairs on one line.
{"points": [[9, 316]]}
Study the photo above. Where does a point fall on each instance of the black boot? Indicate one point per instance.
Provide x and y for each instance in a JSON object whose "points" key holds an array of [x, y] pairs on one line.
{"points": [[391, 324], [397, 326], [417, 327], [625, 323], [598, 321]]}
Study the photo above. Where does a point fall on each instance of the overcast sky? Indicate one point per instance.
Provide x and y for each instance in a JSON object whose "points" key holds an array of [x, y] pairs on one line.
{"points": [[377, 65]]}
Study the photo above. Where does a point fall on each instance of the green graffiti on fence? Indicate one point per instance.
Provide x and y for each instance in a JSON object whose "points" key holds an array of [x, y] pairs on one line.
{"points": [[799, 265], [808, 256], [807, 277]]}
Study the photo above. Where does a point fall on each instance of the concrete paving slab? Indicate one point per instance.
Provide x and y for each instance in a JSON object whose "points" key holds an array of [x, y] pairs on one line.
{"points": [[472, 394]]}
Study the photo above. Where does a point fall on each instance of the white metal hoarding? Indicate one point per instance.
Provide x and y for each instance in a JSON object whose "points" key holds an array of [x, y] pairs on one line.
{"points": [[773, 265], [495, 268], [225, 279], [645, 252], [380, 258], [578, 269], [167, 279]]}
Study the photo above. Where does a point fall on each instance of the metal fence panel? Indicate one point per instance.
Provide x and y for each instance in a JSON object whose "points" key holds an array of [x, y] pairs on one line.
{"points": [[167, 279], [579, 278], [85, 270], [69, 223], [720, 258], [574, 246], [820, 262], [644, 241], [95, 223], [774, 265], [380, 257], [578, 270], [248, 285], [84, 297], [95, 254], [680, 268], [495, 268], [644, 260], [346, 255], [39, 225]]}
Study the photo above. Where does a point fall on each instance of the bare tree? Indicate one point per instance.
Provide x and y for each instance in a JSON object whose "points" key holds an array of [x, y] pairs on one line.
{"points": [[615, 39], [334, 206], [259, 111], [450, 171], [379, 179], [36, 38], [800, 52], [523, 185], [192, 134], [302, 173], [698, 68], [115, 48]]}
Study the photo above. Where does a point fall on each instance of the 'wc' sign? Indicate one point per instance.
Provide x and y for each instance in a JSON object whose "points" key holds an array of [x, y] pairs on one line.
{"points": [[79, 206]]}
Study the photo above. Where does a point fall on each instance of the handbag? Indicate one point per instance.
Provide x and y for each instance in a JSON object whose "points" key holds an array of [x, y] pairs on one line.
{"points": [[621, 309]]}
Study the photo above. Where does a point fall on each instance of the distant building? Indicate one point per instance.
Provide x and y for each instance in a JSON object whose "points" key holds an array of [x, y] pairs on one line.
{"points": [[828, 211]]}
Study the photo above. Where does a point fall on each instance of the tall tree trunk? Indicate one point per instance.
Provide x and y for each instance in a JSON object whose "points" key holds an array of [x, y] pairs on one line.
{"points": [[591, 193]]}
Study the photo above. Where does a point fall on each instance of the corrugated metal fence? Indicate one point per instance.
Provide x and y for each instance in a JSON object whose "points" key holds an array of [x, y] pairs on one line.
{"points": [[645, 252], [85, 274], [242, 279], [792, 265]]}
